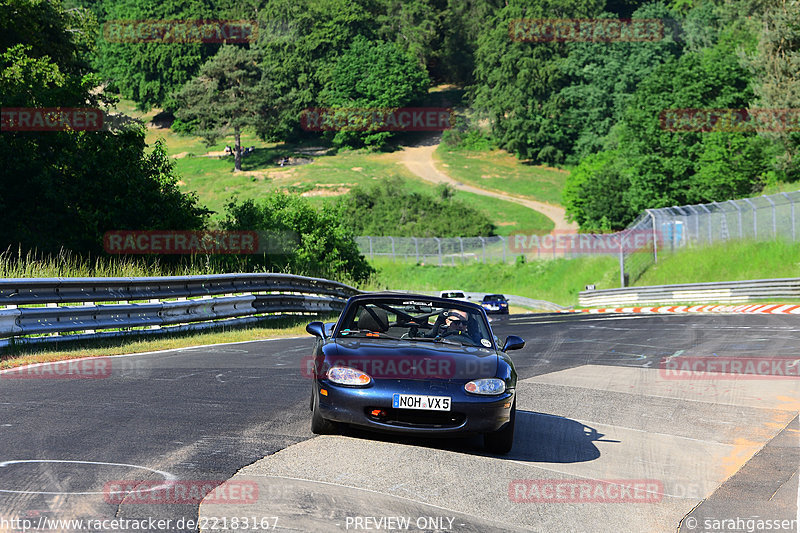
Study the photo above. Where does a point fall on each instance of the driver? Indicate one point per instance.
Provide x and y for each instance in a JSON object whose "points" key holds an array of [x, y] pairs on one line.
{"points": [[455, 322]]}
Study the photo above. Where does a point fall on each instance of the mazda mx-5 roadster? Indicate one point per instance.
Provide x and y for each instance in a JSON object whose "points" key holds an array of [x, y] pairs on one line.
{"points": [[414, 364]]}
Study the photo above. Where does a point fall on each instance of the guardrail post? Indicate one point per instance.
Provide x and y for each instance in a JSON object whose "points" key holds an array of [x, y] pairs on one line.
{"points": [[655, 236], [755, 219], [739, 211], [774, 222], [791, 203], [710, 237], [439, 244], [696, 217]]}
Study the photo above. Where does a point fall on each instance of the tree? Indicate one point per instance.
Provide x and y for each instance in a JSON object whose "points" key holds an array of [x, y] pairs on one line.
{"points": [[602, 77], [325, 245], [662, 163], [297, 52], [373, 75], [149, 72], [388, 208], [594, 194], [776, 64], [515, 80], [227, 95], [65, 189]]}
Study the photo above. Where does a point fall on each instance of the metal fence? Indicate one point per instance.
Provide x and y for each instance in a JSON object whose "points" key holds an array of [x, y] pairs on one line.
{"points": [[450, 251], [654, 233], [760, 218]]}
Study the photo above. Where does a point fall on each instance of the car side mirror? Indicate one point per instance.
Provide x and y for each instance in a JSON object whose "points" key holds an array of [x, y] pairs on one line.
{"points": [[513, 343], [317, 329]]}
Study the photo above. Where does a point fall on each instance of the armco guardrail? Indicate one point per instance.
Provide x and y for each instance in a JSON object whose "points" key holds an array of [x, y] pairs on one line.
{"points": [[720, 292], [114, 306]]}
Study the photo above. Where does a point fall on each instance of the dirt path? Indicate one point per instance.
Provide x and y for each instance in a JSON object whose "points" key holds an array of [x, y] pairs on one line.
{"points": [[419, 160]]}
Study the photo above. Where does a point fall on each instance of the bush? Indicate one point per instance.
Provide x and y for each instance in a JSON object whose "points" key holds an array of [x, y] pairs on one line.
{"points": [[303, 240], [389, 208], [471, 139]]}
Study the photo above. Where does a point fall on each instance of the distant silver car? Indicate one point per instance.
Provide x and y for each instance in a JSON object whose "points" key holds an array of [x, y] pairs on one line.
{"points": [[454, 295]]}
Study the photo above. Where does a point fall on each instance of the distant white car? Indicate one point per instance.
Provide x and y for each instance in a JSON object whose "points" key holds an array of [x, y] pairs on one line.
{"points": [[454, 295]]}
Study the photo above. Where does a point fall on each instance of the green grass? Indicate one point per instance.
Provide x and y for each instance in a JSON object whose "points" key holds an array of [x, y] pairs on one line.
{"points": [[325, 179], [557, 281], [780, 187], [67, 264], [329, 176], [726, 262], [500, 171]]}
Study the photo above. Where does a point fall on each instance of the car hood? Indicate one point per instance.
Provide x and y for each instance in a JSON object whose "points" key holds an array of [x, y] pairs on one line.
{"points": [[407, 359]]}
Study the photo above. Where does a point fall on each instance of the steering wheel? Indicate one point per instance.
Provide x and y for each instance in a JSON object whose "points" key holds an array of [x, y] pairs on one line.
{"points": [[453, 334]]}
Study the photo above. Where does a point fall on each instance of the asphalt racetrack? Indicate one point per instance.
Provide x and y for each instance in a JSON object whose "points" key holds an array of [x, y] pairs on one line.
{"points": [[605, 440]]}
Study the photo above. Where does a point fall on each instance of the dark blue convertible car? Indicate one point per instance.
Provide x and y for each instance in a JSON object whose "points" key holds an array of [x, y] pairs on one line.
{"points": [[414, 364]]}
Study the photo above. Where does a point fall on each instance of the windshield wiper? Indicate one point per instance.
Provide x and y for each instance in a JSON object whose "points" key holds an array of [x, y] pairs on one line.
{"points": [[449, 341]]}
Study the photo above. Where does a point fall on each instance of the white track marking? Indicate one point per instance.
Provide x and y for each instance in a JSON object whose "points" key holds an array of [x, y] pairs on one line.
{"points": [[166, 475]]}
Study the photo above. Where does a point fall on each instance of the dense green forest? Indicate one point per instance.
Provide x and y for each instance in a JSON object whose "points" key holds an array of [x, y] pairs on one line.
{"points": [[593, 106]]}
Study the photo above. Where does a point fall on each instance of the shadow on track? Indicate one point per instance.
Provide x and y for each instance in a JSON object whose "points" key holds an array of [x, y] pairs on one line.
{"points": [[538, 438]]}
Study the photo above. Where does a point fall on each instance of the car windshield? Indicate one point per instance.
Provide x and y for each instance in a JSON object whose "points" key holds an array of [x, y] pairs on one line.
{"points": [[494, 298], [419, 320], [452, 295]]}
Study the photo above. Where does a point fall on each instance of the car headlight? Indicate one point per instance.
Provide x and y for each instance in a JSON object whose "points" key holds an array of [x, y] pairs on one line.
{"points": [[486, 386], [343, 375]]}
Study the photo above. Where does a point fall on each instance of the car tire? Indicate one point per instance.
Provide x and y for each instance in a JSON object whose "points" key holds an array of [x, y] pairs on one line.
{"points": [[502, 440], [319, 425]]}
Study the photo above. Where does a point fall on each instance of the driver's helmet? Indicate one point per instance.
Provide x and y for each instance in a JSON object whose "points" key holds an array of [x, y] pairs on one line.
{"points": [[455, 321]]}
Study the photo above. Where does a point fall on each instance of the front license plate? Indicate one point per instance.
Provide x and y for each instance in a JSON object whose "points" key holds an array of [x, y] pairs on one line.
{"points": [[427, 403]]}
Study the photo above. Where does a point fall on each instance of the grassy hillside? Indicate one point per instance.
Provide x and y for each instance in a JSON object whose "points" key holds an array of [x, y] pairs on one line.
{"points": [[501, 171], [726, 262], [556, 281], [206, 171]]}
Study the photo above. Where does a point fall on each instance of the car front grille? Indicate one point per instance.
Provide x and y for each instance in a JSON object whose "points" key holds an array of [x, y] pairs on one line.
{"points": [[413, 418]]}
